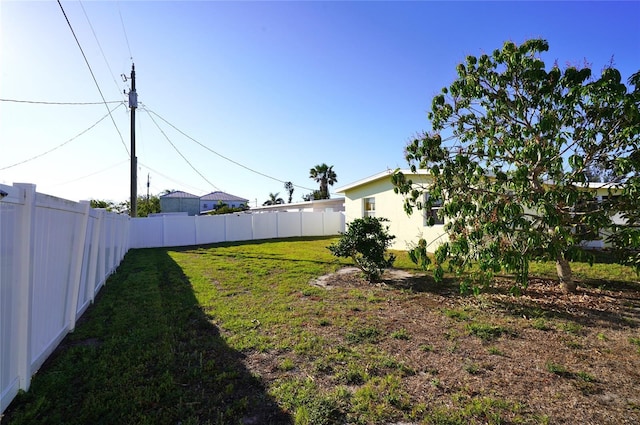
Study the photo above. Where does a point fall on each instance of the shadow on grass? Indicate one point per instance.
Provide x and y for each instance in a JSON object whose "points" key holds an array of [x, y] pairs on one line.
{"points": [[424, 282], [145, 353], [617, 307]]}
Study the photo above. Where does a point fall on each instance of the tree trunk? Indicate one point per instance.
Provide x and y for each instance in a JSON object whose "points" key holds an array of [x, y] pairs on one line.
{"points": [[565, 275]]}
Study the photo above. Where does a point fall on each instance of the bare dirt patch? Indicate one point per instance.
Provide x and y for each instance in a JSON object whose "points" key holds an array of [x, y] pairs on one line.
{"points": [[551, 357]]}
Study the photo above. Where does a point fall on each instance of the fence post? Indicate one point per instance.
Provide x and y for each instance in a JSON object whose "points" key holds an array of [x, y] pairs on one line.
{"points": [[164, 233], [25, 282], [76, 268], [95, 250], [102, 254]]}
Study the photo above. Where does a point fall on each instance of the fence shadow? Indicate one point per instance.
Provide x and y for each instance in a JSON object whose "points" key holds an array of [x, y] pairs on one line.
{"points": [[146, 352]]}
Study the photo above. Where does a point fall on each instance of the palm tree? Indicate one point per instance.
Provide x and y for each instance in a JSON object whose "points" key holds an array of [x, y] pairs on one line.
{"points": [[324, 175], [289, 187], [273, 199]]}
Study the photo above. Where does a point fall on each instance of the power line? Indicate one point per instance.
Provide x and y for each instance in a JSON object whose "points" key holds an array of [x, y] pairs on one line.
{"points": [[99, 46], [39, 102], [171, 178], [124, 31], [220, 155], [93, 76], [180, 153], [91, 174], [64, 143]]}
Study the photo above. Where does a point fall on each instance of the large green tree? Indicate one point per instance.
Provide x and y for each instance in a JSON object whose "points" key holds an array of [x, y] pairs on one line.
{"points": [[510, 152], [324, 175], [148, 205]]}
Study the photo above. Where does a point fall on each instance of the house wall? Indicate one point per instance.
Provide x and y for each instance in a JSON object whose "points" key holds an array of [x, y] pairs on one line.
{"points": [[407, 229], [208, 205], [174, 204]]}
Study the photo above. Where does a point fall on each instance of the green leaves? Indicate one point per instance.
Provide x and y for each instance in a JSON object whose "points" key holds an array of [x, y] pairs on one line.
{"points": [[510, 147], [366, 241]]}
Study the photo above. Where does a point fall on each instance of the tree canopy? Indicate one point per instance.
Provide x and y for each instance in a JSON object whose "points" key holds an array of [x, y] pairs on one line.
{"points": [[289, 188], [512, 147], [274, 199], [146, 206], [324, 175]]}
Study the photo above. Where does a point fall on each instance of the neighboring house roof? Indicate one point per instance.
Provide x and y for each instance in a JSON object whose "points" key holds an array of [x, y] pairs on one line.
{"points": [[179, 194], [222, 196]]}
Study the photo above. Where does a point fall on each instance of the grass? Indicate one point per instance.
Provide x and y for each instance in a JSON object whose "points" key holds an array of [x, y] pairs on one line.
{"points": [[487, 332], [234, 333]]}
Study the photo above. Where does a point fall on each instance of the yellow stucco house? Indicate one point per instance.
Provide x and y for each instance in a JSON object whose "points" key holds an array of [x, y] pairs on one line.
{"points": [[374, 196]]}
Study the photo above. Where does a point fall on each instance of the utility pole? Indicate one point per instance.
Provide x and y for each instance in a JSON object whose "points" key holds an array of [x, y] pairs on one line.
{"points": [[133, 104]]}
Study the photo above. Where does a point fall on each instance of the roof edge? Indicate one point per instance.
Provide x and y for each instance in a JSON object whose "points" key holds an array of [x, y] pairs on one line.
{"points": [[381, 175]]}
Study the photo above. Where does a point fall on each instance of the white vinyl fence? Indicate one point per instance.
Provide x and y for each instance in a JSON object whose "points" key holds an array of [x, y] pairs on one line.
{"points": [[166, 231], [55, 255]]}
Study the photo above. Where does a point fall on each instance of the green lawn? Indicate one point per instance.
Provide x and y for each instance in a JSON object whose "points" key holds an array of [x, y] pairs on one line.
{"points": [[234, 333]]}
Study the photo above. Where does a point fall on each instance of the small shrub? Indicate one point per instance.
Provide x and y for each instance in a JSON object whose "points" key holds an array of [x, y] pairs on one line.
{"points": [[365, 242]]}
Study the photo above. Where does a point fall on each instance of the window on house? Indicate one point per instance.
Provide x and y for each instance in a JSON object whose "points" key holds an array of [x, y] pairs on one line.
{"points": [[436, 206], [205, 206], [369, 205], [582, 209], [613, 199]]}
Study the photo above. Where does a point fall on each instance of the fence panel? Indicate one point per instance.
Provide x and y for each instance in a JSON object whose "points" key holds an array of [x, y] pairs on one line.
{"points": [[265, 226], [312, 224], [54, 256], [289, 224], [147, 232], [238, 227], [9, 295], [167, 231], [210, 229], [56, 229], [334, 223], [179, 231], [84, 294]]}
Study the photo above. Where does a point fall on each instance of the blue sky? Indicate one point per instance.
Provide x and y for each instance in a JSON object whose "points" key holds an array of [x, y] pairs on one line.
{"points": [[276, 87]]}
